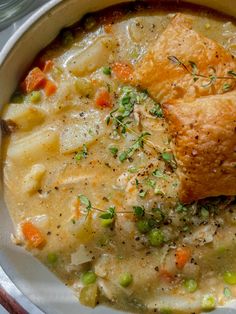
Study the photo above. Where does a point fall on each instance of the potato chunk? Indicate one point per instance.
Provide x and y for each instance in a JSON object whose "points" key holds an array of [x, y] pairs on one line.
{"points": [[92, 57], [34, 146], [84, 128], [26, 117], [32, 180]]}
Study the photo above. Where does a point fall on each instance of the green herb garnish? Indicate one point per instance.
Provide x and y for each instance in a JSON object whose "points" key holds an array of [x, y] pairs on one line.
{"points": [[137, 145], [138, 211], [109, 214], [142, 193], [192, 69], [156, 111], [85, 201], [113, 150], [82, 154], [167, 156], [106, 70], [227, 87]]}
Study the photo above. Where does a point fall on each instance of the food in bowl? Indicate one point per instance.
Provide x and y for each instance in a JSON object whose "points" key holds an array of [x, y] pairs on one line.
{"points": [[119, 158]]}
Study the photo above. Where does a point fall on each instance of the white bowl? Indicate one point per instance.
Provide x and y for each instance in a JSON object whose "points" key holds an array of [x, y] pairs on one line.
{"points": [[22, 276]]}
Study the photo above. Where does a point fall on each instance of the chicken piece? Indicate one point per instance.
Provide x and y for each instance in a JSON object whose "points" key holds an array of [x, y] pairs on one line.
{"points": [[166, 80], [153, 186], [204, 143]]}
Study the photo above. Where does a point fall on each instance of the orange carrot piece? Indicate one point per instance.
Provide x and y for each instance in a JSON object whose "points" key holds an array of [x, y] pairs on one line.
{"points": [[122, 71], [47, 66], [34, 80], [182, 255], [103, 99], [165, 275], [50, 88], [33, 235]]}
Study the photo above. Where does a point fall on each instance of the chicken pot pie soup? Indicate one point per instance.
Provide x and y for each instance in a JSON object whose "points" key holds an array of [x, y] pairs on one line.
{"points": [[119, 153]]}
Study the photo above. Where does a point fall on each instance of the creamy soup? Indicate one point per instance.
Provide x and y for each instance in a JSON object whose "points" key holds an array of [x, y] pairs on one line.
{"points": [[91, 176]]}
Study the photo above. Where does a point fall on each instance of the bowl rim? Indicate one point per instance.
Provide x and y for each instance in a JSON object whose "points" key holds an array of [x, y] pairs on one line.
{"points": [[5, 52], [13, 40]]}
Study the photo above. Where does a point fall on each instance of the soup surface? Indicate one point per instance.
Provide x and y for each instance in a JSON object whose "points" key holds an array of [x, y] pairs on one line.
{"points": [[91, 179]]}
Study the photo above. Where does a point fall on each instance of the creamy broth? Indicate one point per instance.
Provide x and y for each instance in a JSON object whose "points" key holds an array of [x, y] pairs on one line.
{"points": [[90, 178]]}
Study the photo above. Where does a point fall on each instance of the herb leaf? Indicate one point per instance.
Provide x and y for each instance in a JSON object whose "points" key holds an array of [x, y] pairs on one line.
{"points": [[232, 73], [113, 150], [82, 154], [138, 211], [156, 111], [85, 201], [137, 144], [110, 213], [226, 87], [106, 70]]}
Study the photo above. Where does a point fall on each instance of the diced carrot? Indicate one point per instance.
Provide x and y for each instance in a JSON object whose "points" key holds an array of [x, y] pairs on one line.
{"points": [[122, 71], [103, 99], [33, 235], [34, 80], [165, 275], [182, 255], [108, 28], [77, 209], [47, 66], [50, 88]]}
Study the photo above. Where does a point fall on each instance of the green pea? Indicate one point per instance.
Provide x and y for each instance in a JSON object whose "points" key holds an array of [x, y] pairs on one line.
{"points": [[143, 226], [190, 285], [125, 279], [52, 258], [156, 237], [208, 302], [88, 277], [35, 96], [107, 222], [230, 277]]}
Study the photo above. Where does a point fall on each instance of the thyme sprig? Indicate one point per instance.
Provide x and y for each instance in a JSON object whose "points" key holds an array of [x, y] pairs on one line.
{"points": [[148, 142], [192, 69]]}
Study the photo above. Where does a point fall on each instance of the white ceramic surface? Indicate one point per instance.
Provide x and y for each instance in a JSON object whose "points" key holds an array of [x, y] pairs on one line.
{"points": [[33, 281]]}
